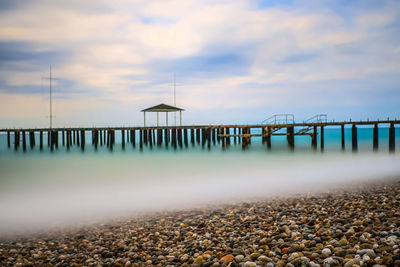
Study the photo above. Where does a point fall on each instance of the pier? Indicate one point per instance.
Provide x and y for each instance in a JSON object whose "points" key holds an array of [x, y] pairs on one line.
{"points": [[203, 135]]}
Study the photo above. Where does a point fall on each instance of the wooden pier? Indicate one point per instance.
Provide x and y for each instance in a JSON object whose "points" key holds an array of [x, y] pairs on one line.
{"points": [[203, 135]]}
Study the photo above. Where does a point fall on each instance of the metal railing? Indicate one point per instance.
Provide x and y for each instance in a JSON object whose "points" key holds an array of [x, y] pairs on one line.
{"points": [[279, 119]]}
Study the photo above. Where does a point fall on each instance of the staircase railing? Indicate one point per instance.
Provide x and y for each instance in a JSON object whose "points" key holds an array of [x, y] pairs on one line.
{"points": [[279, 119]]}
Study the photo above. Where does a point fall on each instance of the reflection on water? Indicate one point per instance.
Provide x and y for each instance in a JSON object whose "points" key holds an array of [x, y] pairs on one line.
{"points": [[39, 189]]}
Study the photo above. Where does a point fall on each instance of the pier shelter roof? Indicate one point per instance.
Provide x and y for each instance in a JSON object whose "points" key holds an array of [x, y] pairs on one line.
{"points": [[162, 108]]}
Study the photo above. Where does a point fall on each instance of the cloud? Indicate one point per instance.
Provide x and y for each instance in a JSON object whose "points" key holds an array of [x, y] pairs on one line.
{"points": [[241, 54]]}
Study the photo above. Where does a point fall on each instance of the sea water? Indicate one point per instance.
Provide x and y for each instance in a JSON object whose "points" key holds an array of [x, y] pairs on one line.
{"points": [[41, 189]]}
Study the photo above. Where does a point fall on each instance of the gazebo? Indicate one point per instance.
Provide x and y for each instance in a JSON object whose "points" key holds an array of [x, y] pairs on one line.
{"points": [[162, 108]]}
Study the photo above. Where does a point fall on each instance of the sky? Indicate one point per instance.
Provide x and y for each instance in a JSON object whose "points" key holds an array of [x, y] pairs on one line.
{"points": [[235, 61]]}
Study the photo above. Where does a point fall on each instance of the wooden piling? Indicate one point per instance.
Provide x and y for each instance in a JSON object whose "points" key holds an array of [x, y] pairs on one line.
{"points": [[133, 138], [354, 141], [198, 136], [23, 140], [49, 138], [228, 138], [16, 140], [314, 138], [8, 139], [209, 137], [150, 137], [322, 141], [68, 137], [239, 132], [185, 135], [56, 138], [234, 132], [192, 135], [41, 140], [123, 138], [32, 139], [268, 132], [141, 138], [219, 131], [290, 136], [180, 143], [73, 137], [213, 131], [392, 138], [166, 137], [343, 137], [203, 137], [63, 137], [78, 141], [376, 137], [173, 141]]}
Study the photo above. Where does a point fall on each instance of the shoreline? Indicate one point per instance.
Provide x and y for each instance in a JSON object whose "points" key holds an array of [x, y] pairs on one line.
{"points": [[356, 225]]}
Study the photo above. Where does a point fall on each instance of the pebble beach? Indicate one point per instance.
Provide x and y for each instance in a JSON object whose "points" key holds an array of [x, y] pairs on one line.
{"points": [[356, 226]]}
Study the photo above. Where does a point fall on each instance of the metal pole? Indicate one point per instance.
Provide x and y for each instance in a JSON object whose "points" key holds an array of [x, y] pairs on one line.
{"points": [[180, 117], [144, 118], [166, 118], [157, 120]]}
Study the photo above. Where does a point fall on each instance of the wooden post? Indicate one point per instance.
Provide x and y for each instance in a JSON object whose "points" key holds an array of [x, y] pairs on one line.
{"points": [[223, 139], [192, 136], [133, 138], [56, 138], [41, 139], [314, 142], [354, 141], [16, 140], [141, 139], [198, 136], [240, 131], [23, 141], [73, 137], [263, 135], [228, 138], [343, 137], [209, 138], [78, 141], [8, 139], [213, 130], [63, 137], [290, 136], [180, 138], [376, 137], [203, 137], [150, 137], [32, 139], [219, 131], [392, 138], [268, 137], [166, 136], [48, 138], [174, 137], [123, 138], [322, 138], [83, 139], [153, 135], [68, 137], [104, 136], [186, 137]]}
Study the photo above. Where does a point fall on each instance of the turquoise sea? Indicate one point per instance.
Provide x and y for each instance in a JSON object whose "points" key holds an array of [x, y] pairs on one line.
{"points": [[42, 189]]}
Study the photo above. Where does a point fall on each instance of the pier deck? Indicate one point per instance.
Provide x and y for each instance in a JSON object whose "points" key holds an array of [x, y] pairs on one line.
{"points": [[204, 134]]}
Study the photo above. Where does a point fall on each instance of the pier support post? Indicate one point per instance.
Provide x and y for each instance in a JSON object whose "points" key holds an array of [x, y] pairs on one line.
{"points": [[198, 136], [314, 138], [68, 137], [213, 131], [186, 137], [49, 138], [32, 139], [392, 138], [354, 141], [78, 143], [173, 141], [322, 138], [343, 137], [208, 130], [56, 138], [180, 138], [376, 137], [268, 133], [83, 140], [166, 137], [290, 136], [228, 138], [123, 138], [8, 139], [16, 140], [23, 141], [192, 135], [63, 137], [41, 139], [234, 133], [150, 138], [141, 139], [133, 138]]}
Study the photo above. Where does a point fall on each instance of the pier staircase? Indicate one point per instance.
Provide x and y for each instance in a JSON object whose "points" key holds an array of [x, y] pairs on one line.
{"points": [[319, 118]]}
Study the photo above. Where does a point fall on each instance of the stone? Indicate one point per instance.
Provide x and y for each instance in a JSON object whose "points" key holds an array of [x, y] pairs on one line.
{"points": [[239, 258], [227, 258]]}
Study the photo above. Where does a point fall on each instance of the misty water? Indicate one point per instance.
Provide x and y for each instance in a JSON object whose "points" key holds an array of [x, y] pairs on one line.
{"points": [[44, 189]]}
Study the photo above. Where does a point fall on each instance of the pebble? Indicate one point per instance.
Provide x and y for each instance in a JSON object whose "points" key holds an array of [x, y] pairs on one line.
{"points": [[353, 227]]}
